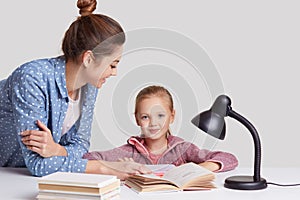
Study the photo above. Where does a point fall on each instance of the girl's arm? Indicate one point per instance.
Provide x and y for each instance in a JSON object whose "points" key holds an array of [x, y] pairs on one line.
{"points": [[217, 161]]}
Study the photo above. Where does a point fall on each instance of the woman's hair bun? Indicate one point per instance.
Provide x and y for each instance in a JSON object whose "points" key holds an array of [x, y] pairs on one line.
{"points": [[86, 7]]}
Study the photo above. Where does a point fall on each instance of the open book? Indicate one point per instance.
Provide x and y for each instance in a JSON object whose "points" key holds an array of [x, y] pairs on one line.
{"points": [[160, 169], [189, 176]]}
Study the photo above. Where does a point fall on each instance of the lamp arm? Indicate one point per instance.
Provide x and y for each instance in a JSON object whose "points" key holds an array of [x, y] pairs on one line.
{"points": [[257, 145]]}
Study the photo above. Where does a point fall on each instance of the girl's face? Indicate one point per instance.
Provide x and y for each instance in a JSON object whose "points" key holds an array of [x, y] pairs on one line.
{"points": [[99, 71], [154, 117]]}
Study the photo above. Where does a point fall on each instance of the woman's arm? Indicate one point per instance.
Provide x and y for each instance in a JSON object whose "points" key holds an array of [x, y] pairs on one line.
{"points": [[37, 92], [121, 169], [42, 142]]}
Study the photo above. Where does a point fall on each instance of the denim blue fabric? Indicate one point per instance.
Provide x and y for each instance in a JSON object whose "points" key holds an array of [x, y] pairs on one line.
{"points": [[37, 91]]}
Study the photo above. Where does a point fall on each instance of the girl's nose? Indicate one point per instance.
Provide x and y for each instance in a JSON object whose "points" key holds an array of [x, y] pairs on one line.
{"points": [[153, 121]]}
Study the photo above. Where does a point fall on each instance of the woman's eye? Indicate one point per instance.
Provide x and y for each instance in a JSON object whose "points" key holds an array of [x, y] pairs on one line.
{"points": [[113, 66], [144, 117]]}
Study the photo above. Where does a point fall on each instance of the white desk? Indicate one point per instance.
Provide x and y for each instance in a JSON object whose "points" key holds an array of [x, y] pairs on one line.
{"points": [[17, 183]]}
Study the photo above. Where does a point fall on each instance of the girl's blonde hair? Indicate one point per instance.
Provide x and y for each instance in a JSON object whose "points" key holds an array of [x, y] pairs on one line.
{"points": [[154, 91]]}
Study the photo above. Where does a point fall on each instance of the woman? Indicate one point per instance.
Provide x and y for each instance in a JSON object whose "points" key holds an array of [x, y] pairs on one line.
{"points": [[46, 105]]}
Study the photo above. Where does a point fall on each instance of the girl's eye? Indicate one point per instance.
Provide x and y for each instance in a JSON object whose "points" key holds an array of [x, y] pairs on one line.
{"points": [[161, 115]]}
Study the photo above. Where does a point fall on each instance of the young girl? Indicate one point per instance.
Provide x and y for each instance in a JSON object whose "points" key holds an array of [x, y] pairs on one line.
{"points": [[154, 113]]}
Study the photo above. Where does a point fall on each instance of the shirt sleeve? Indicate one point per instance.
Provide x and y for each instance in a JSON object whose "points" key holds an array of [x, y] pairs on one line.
{"points": [[30, 98], [226, 160]]}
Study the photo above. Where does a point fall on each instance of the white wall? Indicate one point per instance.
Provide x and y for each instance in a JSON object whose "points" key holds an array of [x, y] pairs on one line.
{"points": [[254, 45]]}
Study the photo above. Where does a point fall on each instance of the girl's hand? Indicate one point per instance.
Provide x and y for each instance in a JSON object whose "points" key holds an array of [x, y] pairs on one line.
{"points": [[212, 166], [42, 142]]}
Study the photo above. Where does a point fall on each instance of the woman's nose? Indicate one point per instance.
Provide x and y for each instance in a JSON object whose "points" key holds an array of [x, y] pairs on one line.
{"points": [[113, 72]]}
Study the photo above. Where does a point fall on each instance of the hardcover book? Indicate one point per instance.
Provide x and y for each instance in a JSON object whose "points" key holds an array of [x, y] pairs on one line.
{"points": [[71, 185]]}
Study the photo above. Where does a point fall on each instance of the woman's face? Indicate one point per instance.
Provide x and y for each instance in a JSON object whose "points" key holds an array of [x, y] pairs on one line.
{"points": [[154, 117], [102, 69]]}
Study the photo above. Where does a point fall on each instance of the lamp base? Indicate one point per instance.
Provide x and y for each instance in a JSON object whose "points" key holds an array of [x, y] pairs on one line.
{"points": [[245, 183]]}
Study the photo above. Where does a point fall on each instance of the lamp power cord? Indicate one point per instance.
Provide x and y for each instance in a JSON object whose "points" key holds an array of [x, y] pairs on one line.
{"points": [[284, 185]]}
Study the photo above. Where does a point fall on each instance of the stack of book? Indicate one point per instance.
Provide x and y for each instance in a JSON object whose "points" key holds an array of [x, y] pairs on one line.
{"points": [[71, 186]]}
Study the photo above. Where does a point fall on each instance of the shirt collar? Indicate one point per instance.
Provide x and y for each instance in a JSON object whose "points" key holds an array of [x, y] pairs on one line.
{"points": [[60, 75]]}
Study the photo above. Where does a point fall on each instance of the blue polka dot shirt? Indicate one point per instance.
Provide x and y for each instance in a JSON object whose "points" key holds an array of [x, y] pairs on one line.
{"points": [[37, 91]]}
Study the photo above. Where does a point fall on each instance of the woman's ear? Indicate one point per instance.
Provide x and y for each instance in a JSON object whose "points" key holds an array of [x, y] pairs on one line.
{"points": [[87, 58]]}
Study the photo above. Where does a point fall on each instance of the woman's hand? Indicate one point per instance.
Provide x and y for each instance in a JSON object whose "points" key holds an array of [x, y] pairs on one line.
{"points": [[125, 159], [128, 166], [42, 142], [120, 169]]}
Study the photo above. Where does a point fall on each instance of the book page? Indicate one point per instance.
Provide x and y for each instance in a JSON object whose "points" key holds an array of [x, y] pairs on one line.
{"points": [[189, 172], [160, 169]]}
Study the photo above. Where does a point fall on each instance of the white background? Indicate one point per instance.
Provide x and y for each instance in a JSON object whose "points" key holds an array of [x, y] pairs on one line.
{"points": [[254, 45]]}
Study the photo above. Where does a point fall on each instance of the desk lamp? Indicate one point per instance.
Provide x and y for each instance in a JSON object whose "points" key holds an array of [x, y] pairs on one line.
{"points": [[212, 122]]}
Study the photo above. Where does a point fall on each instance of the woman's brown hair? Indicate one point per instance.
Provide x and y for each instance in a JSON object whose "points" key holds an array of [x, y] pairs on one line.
{"points": [[95, 32]]}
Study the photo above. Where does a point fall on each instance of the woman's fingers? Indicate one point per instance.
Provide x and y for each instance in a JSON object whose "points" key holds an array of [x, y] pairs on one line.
{"points": [[125, 159], [144, 170], [33, 144], [40, 150], [41, 141], [42, 126], [36, 140], [135, 168], [128, 159], [33, 135]]}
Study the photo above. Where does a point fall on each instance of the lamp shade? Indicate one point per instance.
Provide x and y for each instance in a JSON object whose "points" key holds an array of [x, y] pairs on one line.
{"points": [[212, 121]]}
